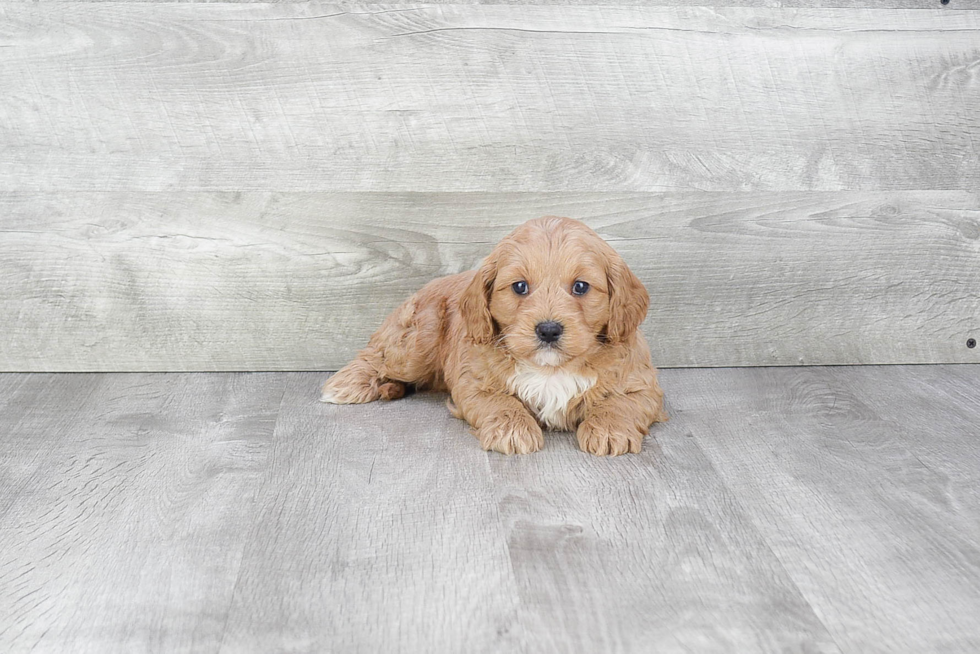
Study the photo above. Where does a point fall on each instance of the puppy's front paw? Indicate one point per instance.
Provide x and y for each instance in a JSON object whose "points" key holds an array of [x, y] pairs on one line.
{"points": [[511, 435], [602, 437]]}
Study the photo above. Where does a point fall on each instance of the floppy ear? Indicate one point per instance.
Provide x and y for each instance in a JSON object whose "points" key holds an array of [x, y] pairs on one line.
{"points": [[628, 300], [474, 304]]}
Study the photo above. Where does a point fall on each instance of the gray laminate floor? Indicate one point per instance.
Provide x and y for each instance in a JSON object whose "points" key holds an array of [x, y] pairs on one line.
{"points": [[792, 509]]}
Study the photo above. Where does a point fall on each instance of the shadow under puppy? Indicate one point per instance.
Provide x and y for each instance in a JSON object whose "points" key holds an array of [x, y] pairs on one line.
{"points": [[544, 334]]}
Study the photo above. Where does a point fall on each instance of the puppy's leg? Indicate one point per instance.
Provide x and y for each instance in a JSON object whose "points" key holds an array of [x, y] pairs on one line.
{"points": [[401, 351], [499, 421], [360, 381], [617, 424]]}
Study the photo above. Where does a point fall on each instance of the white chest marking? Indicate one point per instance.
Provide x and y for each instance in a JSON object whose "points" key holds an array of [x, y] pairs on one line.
{"points": [[547, 392]]}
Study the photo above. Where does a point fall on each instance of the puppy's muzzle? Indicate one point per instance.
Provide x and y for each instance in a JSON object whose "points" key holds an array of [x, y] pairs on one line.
{"points": [[549, 332]]}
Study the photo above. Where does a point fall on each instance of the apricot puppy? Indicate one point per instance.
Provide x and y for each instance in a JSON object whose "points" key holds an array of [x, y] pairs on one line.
{"points": [[545, 334]]}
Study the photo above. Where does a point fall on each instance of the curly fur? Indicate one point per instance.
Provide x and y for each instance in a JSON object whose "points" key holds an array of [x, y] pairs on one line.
{"points": [[471, 335]]}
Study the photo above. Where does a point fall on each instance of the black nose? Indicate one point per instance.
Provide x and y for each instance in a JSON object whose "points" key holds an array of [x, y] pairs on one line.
{"points": [[548, 332]]}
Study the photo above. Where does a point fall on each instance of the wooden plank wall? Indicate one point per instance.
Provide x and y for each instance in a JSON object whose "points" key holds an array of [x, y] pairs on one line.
{"points": [[238, 186]]}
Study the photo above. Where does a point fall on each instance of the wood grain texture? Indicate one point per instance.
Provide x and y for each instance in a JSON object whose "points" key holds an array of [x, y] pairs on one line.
{"points": [[314, 97], [956, 382], [796, 509], [810, 4], [292, 281], [643, 553], [376, 531], [127, 504], [863, 482], [22, 413]]}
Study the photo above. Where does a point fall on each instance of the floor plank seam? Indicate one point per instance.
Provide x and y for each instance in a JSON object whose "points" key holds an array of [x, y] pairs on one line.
{"points": [[506, 544], [251, 528], [809, 509], [750, 520]]}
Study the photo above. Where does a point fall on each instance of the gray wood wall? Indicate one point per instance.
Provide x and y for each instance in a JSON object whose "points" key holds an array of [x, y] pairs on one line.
{"points": [[238, 186]]}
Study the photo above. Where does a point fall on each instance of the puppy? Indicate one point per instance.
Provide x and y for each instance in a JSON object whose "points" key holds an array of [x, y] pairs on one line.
{"points": [[545, 334]]}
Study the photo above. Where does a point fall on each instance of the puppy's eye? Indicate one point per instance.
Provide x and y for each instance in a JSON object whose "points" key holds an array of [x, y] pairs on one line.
{"points": [[580, 288], [520, 287]]}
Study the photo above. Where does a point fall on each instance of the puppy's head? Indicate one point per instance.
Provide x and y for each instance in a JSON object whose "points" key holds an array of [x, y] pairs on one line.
{"points": [[553, 291]]}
